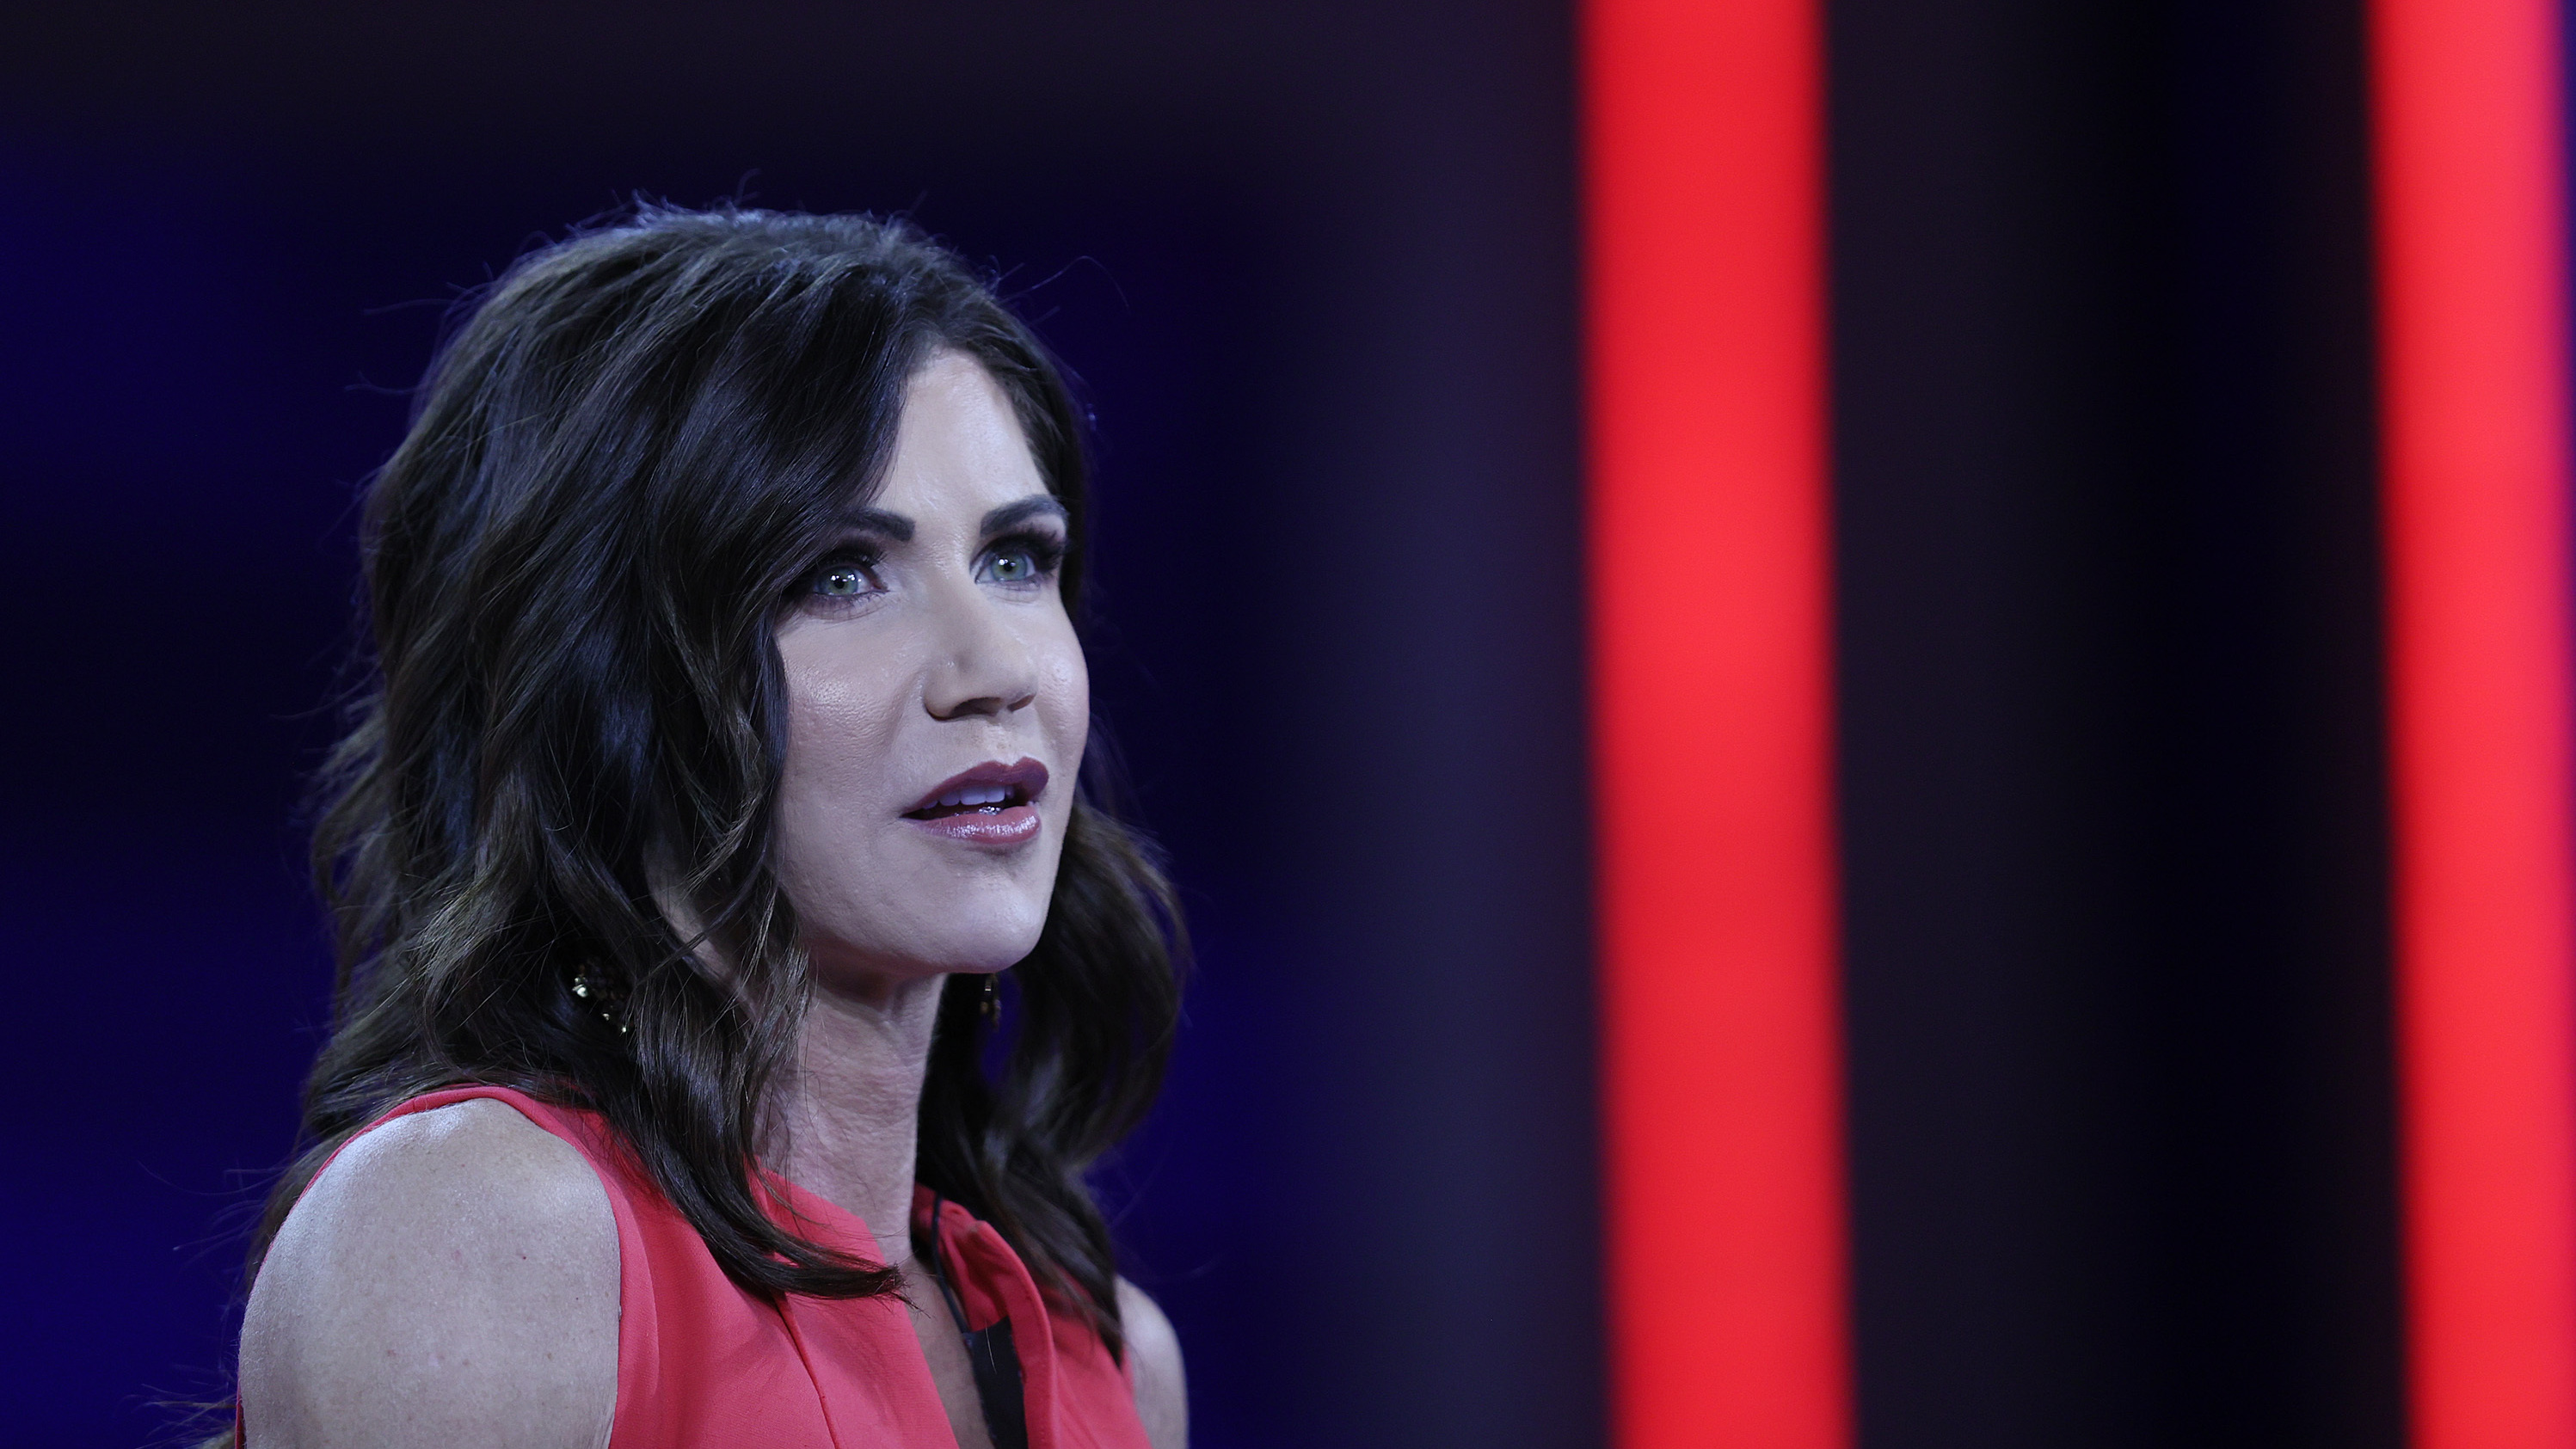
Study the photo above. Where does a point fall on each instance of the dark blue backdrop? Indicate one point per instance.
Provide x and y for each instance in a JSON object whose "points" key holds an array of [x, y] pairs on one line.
{"points": [[1315, 272]]}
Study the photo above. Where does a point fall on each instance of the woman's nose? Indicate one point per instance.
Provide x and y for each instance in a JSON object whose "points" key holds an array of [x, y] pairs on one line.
{"points": [[983, 667]]}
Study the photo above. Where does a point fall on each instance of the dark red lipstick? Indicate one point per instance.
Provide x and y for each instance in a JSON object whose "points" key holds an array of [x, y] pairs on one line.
{"points": [[992, 804]]}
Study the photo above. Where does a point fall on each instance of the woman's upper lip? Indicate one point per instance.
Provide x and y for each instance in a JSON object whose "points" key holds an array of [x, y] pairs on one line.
{"points": [[1025, 777]]}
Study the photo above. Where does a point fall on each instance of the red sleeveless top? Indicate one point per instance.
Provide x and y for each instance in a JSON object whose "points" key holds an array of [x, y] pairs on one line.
{"points": [[702, 1363]]}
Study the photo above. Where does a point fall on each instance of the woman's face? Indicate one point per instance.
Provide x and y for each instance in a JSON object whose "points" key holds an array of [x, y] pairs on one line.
{"points": [[937, 704]]}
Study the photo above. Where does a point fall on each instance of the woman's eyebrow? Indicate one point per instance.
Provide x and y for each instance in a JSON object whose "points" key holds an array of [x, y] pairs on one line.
{"points": [[1033, 506], [876, 520]]}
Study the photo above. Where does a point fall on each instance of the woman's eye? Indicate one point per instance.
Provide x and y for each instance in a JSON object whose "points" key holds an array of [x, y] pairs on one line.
{"points": [[1022, 562], [843, 581]]}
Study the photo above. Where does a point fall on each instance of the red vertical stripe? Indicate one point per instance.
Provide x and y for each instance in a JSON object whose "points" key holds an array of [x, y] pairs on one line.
{"points": [[2475, 414], [1711, 658]]}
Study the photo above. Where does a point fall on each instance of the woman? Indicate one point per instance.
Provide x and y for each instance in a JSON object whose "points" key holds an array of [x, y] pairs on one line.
{"points": [[722, 757]]}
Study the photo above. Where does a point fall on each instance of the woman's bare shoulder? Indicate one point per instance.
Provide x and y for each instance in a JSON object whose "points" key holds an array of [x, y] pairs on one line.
{"points": [[452, 1278], [1162, 1391]]}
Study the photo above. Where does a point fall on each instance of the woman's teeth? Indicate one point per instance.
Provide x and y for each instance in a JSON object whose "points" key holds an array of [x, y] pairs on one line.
{"points": [[973, 796]]}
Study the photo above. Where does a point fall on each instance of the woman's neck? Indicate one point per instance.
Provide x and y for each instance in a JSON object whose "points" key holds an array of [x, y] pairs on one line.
{"points": [[851, 1109]]}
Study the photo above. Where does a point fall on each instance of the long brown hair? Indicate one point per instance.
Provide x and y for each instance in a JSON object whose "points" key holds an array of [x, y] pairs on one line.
{"points": [[633, 445]]}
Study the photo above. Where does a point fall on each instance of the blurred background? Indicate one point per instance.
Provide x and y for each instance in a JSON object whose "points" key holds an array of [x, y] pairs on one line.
{"points": [[2116, 974]]}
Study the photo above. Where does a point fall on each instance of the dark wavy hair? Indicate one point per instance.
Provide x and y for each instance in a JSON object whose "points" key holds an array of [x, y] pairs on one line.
{"points": [[618, 465]]}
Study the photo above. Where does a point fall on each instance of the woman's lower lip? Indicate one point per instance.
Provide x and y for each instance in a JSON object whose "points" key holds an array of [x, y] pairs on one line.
{"points": [[1014, 825]]}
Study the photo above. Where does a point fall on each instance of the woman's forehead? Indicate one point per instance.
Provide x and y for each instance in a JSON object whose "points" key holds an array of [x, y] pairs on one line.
{"points": [[959, 448]]}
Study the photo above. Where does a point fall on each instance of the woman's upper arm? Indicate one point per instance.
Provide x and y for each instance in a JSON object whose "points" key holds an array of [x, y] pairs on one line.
{"points": [[450, 1280], [1162, 1392]]}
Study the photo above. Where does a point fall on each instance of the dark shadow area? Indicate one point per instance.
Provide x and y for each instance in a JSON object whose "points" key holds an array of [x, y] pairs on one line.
{"points": [[2117, 973]]}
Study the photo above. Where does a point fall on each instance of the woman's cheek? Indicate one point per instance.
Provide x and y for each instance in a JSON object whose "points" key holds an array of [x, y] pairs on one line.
{"points": [[842, 720], [1069, 693], [837, 787]]}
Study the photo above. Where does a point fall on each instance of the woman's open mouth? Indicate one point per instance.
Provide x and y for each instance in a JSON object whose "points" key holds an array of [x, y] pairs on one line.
{"points": [[992, 804]]}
